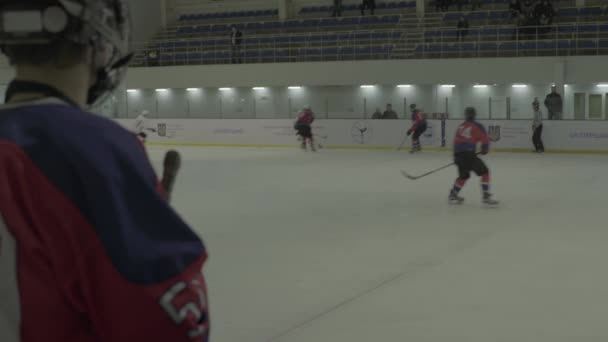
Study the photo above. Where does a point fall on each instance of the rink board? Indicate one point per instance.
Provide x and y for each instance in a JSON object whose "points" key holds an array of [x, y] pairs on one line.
{"points": [[511, 135]]}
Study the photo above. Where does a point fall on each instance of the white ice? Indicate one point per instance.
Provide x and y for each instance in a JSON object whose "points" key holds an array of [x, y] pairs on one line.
{"points": [[339, 247]]}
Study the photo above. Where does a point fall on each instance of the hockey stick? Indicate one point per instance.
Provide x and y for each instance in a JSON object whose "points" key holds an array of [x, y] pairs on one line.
{"points": [[322, 137], [319, 145], [171, 166], [408, 176], [402, 143]]}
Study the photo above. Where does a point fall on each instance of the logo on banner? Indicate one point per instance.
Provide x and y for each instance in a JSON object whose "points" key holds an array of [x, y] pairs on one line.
{"points": [[162, 130], [167, 130], [361, 132], [494, 133]]}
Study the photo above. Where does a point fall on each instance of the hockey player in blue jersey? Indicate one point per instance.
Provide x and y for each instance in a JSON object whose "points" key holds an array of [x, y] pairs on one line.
{"points": [[90, 249]]}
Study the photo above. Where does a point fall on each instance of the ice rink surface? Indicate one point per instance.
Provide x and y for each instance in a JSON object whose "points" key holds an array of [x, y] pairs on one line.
{"points": [[338, 247]]}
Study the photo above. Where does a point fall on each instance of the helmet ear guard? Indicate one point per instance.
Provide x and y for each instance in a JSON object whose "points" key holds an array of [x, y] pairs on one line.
{"points": [[29, 24], [84, 22]]}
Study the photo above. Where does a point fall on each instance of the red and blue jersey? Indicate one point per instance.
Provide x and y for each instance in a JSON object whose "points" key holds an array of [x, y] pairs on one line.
{"points": [[468, 135], [90, 250], [418, 120], [305, 118]]}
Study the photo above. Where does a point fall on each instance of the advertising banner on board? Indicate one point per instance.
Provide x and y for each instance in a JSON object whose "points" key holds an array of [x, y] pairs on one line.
{"points": [[504, 134]]}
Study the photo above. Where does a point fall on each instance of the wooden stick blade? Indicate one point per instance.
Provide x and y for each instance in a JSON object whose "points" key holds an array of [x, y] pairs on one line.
{"points": [[171, 165], [406, 175]]}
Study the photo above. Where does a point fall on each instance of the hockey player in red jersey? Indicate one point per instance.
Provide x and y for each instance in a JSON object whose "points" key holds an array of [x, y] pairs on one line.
{"points": [[90, 249], [303, 126], [468, 135], [418, 128]]}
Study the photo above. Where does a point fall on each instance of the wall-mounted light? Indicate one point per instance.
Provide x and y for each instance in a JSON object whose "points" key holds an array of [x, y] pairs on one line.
{"points": [[259, 88], [161, 90], [404, 86], [448, 86], [225, 89], [520, 86], [132, 90], [193, 89], [367, 86], [480, 86], [603, 85], [294, 87]]}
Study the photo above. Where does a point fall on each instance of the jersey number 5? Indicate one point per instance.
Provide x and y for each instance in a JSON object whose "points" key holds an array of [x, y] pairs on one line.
{"points": [[465, 132], [194, 308]]}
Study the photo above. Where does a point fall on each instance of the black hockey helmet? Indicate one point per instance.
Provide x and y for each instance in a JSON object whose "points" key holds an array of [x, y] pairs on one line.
{"points": [[84, 22], [470, 113]]}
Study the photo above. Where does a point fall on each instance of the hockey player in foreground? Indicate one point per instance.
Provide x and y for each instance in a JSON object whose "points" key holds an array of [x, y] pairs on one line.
{"points": [[468, 135], [90, 249], [303, 126], [418, 128]]}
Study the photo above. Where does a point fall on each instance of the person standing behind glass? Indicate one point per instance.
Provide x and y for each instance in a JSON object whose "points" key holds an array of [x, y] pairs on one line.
{"points": [[389, 113], [554, 104], [236, 38], [377, 114], [537, 127]]}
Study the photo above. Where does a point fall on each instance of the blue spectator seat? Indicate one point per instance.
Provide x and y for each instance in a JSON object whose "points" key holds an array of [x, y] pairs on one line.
{"points": [[508, 46], [478, 16], [330, 51], [590, 11], [487, 46], [566, 29], [528, 45], [588, 28], [587, 44], [563, 44], [567, 12]]}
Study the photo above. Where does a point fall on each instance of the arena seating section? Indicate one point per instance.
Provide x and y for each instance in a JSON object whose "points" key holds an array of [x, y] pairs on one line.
{"points": [[394, 32]]}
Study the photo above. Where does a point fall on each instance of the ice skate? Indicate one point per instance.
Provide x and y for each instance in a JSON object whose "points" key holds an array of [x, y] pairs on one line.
{"points": [[488, 200], [454, 198]]}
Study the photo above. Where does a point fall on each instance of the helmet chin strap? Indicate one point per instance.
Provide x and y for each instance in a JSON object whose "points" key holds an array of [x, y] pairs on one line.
{"points": [[104, 80]]}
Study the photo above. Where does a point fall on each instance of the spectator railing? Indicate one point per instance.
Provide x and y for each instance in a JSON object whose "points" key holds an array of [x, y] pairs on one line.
{"points": [[257, 27], [493, 41], [184, 30]]}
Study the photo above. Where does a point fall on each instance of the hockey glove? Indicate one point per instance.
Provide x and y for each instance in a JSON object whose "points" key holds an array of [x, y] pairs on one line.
{"points": [[484, 149]]}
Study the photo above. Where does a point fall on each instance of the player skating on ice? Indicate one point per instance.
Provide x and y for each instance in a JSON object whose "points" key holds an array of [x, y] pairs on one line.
{"points": [[419, 126], [142, 125], [468, 135], [90, 249], [537, 128], [303, 126]]}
